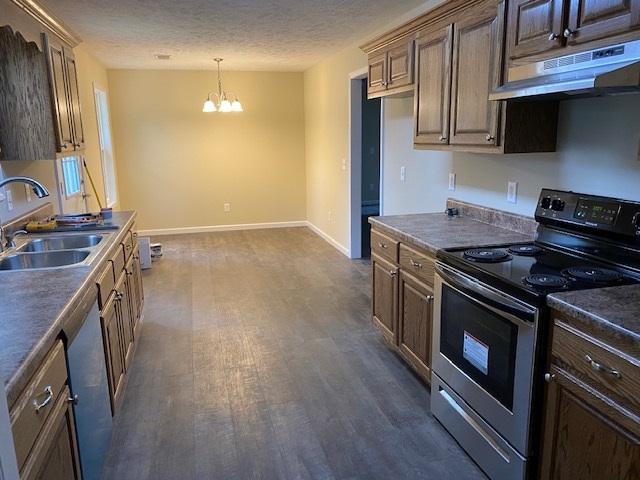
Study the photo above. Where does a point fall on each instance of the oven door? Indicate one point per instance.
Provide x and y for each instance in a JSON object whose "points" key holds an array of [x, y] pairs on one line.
{"points": [[484, 346]]}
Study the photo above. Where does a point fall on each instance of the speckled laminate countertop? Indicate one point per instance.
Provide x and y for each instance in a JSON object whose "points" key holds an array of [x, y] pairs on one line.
{"points": [[614, 308], [34, 304], [435, 231]]}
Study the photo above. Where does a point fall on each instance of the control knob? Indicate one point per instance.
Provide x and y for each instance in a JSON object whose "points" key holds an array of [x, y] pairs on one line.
{"points": [[557, 205], [545, 203]]}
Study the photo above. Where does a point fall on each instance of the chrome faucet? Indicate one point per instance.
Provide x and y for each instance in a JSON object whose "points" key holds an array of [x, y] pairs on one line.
{"points": [[39, 189]]}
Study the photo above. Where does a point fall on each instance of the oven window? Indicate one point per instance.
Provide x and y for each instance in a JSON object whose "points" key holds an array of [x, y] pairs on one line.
{"points": [[480, 343]]}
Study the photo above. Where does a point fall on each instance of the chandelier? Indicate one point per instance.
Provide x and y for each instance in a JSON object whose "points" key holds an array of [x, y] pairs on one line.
{"points": [[222, 102]]}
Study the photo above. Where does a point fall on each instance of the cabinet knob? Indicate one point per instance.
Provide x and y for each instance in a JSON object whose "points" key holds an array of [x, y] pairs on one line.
{"points": [[414, 263], [382, 245], [443, 138], [568, 33], [553, 36], [393, 273], [549, 377], [73, 399], [490, 137], [119, 296], [77, 145]]}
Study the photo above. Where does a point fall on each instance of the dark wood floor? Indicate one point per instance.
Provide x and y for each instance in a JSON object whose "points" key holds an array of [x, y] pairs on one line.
{"points": [[258, 361]]}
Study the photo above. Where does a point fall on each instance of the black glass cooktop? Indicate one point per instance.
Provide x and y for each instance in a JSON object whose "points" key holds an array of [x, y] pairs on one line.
{"points": [[536, 269]]}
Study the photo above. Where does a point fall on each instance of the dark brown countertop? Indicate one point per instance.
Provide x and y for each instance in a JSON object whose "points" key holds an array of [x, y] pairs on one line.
{"points": [[34, 304], [616, 309], [435, 231]]}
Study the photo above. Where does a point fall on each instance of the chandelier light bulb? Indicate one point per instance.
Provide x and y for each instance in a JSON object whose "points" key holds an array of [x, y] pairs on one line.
{"points": [[225, 106], [236, 106], [209, 106]]}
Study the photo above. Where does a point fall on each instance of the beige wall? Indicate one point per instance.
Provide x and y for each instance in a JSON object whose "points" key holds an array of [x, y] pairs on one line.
{"points": [[90, 73], [177, 166], [326, 88]]}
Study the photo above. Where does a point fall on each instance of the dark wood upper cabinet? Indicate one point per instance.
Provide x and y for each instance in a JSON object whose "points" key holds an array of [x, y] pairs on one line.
{"points": [[477, 70], [595, 19], [26, 121], [74, 99], [432, 96], [535, 26], [63, 78], [390, 70]]}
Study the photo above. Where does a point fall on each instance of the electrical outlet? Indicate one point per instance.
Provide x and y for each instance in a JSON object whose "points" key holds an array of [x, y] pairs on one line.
{"points": [[452, 181], [9, 195], [403, 174], [227, 207], [27, 192], [512, 192]]}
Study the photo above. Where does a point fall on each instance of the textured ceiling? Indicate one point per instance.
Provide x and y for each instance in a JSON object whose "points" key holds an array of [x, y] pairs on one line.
{"points": [[248, 34]]}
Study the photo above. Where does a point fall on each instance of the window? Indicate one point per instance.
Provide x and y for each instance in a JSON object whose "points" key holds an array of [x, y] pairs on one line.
{"points": [[106, 147], [72, 176]]}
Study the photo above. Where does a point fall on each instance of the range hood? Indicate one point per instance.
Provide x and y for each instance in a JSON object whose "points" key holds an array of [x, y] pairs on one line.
{"points": [[605, 71]]}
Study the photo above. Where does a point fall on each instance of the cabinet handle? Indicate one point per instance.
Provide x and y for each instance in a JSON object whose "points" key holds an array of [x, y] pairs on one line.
{"points": [[76, 145], [568, 33], [73, 399], [599, 367], [382, 245], [48, 393], [549, 377], [490, 137], [553, 36], [65, 146], [443, 138], [393, 273], [414, 263]]}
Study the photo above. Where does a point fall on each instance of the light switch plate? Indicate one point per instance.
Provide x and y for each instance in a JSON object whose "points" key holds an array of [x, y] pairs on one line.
{"points": [[512, 192], [227, 207], [344, 164], [403, 174], [452, 181]]}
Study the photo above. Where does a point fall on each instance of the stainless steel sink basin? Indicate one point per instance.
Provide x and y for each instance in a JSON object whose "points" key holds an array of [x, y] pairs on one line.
{"points": [[28, 261], [69, 242]]}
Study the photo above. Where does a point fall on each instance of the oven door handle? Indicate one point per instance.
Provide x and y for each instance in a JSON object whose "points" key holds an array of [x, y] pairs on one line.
{"points": [[486, 295]]}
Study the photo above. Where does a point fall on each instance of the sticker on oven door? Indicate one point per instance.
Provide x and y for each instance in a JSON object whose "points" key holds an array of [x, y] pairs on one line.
{"points": [[476, 353]]}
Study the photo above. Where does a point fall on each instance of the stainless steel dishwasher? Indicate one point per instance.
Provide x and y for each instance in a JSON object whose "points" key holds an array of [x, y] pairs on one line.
{"points": [[89, 388]]}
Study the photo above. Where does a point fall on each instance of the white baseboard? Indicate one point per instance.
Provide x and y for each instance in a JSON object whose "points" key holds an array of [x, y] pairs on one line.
{"points": [[332, 241], [219, 228]]}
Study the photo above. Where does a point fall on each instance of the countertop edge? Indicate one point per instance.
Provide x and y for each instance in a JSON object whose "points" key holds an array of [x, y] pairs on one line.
{"points": [[22, 375]]}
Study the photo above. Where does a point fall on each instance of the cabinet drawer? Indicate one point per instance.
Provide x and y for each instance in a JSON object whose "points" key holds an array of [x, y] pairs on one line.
{"points": [[384, 246], [420, 264], [593, 360], [33, 407], [117, 259], [105, 282]]}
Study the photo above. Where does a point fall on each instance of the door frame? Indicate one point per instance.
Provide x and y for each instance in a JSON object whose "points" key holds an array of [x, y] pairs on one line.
{"points": [[355, 160]]}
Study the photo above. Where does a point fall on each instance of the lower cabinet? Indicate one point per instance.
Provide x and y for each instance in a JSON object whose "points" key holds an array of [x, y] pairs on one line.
{"points": [[55, 453], [402, 299], [111, 334], [415, 322], [385, 297], [592, 405]]}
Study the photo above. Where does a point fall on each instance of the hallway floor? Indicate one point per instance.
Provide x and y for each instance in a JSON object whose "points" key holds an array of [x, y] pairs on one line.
{"points": [[258, 361]]}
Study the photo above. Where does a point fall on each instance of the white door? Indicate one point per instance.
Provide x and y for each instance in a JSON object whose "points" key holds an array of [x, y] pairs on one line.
{"points": [[71, 191]]}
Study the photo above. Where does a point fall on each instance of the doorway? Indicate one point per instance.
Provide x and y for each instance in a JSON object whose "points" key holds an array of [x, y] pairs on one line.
{"points": [[365, 163]]}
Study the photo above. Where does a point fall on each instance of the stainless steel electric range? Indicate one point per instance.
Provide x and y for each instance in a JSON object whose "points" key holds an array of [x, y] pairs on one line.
{"points": [[491, 321]]}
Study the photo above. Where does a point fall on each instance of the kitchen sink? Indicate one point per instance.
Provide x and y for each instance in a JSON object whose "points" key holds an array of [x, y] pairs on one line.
{"points": [[28, 261], [69, 242]]}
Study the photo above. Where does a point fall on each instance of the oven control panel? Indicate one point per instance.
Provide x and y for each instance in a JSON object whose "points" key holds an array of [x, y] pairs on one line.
{"points": [[621, 217]]}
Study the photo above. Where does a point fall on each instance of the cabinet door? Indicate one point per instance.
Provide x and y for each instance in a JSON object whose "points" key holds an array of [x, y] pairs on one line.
{"points": [[125, 317], [432, 98], [595, 19], [137, 280], [477, 69], [111, 337], [580, 441], [74, 99], [60, 96], [400, 64], [55, 454], [415, 319], [377, 76], [385, 297], [535, 26]]}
